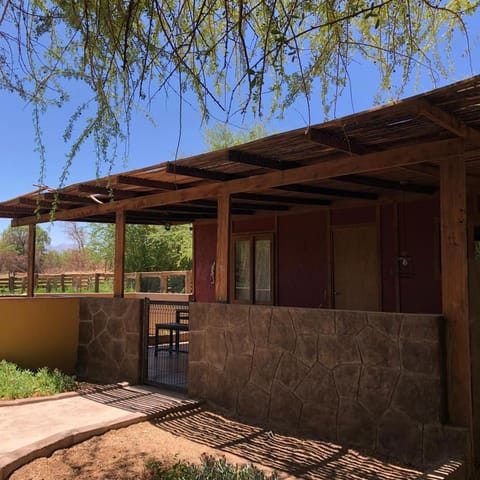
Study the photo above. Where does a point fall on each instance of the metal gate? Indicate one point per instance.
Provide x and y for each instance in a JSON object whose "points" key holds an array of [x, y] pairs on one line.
{"points": [[166, 344]]}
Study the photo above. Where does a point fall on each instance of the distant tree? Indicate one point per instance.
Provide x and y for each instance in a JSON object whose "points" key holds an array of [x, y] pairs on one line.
{"points": [[77, 234], [147, 247], [77, 259], [14, 249], [223, 136]]}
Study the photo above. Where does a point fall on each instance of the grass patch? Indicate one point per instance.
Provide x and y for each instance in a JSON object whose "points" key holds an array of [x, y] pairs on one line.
{"points": [[16, 382], [211, 468]]}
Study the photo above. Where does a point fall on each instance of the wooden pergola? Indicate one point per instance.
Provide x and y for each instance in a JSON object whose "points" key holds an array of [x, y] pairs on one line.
{"points": [[416, 147]]}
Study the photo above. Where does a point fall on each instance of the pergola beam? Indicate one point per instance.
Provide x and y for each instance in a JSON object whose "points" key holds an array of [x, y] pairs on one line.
{"points": [[144, 182], [238, 156], [276, 198], [109, 192], [194, 172], [398, 157], [65, 198], [387, 184], [345, 145], [225, 177], [333, 192], [447, 121]]}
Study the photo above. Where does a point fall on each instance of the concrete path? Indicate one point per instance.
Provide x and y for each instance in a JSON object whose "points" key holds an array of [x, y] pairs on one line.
{"points": [[37, 427]]}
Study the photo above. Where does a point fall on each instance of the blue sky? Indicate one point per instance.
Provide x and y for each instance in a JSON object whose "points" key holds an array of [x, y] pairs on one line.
{"points": [[150, 144]]}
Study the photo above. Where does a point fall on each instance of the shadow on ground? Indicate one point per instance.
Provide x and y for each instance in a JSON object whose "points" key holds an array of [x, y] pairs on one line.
{"points": [[306, 459]]}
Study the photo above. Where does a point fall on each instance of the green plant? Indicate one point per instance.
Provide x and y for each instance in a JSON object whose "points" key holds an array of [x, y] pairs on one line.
{"points": [[210, 468], [16, 382]]}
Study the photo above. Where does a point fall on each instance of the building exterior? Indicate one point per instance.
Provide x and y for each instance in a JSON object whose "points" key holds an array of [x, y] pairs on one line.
{"points": [[336, 272]]}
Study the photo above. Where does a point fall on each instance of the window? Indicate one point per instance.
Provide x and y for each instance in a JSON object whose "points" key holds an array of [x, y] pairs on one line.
{"points": [[253, 271]]}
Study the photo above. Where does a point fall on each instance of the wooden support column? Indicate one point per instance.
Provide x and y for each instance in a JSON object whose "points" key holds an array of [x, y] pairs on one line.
{"points": [[455, 289], [32, 236], [119, 265], [223, 249]]}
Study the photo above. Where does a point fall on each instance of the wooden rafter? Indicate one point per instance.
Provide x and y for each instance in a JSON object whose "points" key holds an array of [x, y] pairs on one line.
{"points": [[397, 157], [198, 210], [144, 182], [225, 177], [65, 198], [427, 170], [446, 120], [277, 198], [109, 192], [353, 148], [333, 141], [387, 184], [7, 211], [247, 206], [175, 169], [238, 156], [333, 192]]}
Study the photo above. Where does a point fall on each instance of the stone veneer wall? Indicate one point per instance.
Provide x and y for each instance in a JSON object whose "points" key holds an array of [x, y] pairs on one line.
{"points": [[370, 380], [110, 337]]}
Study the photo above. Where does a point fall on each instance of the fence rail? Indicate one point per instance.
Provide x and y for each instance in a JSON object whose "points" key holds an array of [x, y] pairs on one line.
{"points": [[161, 282]]}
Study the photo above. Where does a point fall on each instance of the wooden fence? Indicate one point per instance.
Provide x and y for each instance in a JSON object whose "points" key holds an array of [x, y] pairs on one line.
{"points": [[161, 282]]}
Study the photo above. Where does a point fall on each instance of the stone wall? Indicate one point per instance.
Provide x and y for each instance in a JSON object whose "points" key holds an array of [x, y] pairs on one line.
{"points": [[370, 380], [110, 337]]}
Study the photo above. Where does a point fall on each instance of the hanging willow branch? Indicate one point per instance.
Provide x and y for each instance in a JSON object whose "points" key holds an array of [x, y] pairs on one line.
{"points": [[230, 54]]}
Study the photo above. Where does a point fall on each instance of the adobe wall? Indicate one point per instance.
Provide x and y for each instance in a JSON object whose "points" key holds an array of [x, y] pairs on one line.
{"points": [[39, 332], [370, 380], [110, 337]]}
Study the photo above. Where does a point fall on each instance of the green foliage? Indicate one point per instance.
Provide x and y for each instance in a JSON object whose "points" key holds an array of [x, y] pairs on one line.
{"points": [[232, 56], [14, 247], [22, 383], [16, 238], [222, 136], [210, 468], [147, 247]]}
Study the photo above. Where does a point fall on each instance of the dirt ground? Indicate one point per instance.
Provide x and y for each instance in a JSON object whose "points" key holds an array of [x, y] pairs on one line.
{"points": [[121, 454], [117, 455]]}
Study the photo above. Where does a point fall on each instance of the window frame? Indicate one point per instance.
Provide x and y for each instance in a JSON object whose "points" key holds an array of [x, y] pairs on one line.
{"points": [[252, 238]]}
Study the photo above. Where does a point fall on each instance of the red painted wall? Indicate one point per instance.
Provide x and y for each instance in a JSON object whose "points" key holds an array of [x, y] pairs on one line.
{"points": [[204, 252], [303, 260], [389, 258], [302, 255], [262, 224], [419, 235], [353, 216]]}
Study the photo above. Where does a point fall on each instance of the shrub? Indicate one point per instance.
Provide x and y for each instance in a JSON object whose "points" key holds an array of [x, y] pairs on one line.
{"points": [[16, 382], [210, 468]]}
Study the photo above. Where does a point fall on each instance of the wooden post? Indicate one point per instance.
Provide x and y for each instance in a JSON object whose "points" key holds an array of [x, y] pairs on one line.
{"points": [[163, 283], [32, 234], [138, 282], [223, 249], [119, 265], [455, 289], [97, 283], [188, 282]]}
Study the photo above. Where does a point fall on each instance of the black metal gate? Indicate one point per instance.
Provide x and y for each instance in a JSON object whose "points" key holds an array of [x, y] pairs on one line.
{"points": [[166, 344]]}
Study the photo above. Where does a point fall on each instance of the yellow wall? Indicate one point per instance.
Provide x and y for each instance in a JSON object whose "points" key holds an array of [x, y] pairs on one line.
{"points": [[38, 332]]}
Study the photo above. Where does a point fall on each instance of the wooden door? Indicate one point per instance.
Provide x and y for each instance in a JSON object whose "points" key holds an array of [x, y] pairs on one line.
{"points": [[356, 268]]}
